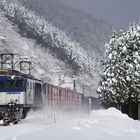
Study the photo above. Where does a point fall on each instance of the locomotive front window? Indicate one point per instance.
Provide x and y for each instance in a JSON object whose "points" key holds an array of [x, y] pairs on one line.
{"points": [[15, 83], [1, 84]]}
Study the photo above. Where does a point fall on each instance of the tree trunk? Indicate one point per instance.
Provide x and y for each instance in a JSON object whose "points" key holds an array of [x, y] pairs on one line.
{"points": [[130, 109], [119, 107]]}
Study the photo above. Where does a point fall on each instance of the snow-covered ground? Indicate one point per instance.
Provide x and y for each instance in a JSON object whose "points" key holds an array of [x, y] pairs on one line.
{"points": [[99, 125]]}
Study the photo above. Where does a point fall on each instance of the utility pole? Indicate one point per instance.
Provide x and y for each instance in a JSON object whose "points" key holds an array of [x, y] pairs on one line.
{"points": [[74, 82], [83, 89], [75, 78], [74, 85], [89, 100]]}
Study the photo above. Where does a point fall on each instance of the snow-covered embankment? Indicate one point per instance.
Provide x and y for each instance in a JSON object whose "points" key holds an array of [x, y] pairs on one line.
{"points": [[100, 125]]}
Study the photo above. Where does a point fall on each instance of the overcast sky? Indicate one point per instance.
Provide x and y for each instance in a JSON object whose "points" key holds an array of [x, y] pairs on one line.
{"points": [[116, 12]]}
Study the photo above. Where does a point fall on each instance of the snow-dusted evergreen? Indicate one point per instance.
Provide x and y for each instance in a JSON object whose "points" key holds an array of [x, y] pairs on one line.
{"points": [[112, 87], [121, 78]]}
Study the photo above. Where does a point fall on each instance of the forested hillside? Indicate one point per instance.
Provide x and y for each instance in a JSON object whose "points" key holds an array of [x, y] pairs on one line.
{"points": [[90, 32], [77, 61]]}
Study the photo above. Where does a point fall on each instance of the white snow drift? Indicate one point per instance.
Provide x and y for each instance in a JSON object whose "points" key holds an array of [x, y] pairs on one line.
{"points": [[99, 125]]}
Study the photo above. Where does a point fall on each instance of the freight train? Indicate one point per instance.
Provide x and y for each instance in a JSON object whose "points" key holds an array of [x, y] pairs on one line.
{"points": [[21, 92]]}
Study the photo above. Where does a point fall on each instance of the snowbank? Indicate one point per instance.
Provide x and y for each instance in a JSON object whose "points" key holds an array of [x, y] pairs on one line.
{"points": [[108, 124]]}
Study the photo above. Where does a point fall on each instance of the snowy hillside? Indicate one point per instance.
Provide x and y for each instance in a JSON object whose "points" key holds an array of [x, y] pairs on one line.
{"points": [[46, 65], [92, 33], [108, 124], [53, 41]]}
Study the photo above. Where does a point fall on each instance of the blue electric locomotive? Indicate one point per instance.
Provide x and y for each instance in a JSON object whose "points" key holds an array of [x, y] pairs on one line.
{"points": [[18, 93]]}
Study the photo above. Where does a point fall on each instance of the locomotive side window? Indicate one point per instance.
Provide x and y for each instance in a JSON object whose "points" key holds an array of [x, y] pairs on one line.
{"points": [[19, 83]]}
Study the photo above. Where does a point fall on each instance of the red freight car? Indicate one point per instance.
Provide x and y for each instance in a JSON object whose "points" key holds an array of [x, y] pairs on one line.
{"points": [[61, 97]]}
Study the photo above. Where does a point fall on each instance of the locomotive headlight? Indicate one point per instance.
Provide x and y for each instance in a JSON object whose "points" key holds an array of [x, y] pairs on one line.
{"points": [[13, 76]]}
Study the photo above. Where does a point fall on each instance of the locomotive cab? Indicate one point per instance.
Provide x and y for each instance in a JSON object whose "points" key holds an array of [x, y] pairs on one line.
{"points": [[11, 90]]}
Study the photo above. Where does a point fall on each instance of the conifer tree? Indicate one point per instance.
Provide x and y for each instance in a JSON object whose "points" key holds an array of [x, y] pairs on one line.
{"points": [[113, 87], [121, 79]]}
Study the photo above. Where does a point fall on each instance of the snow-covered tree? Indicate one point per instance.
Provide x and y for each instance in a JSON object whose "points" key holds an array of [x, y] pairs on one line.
{"points": [[121, 79], [113, 87]]}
